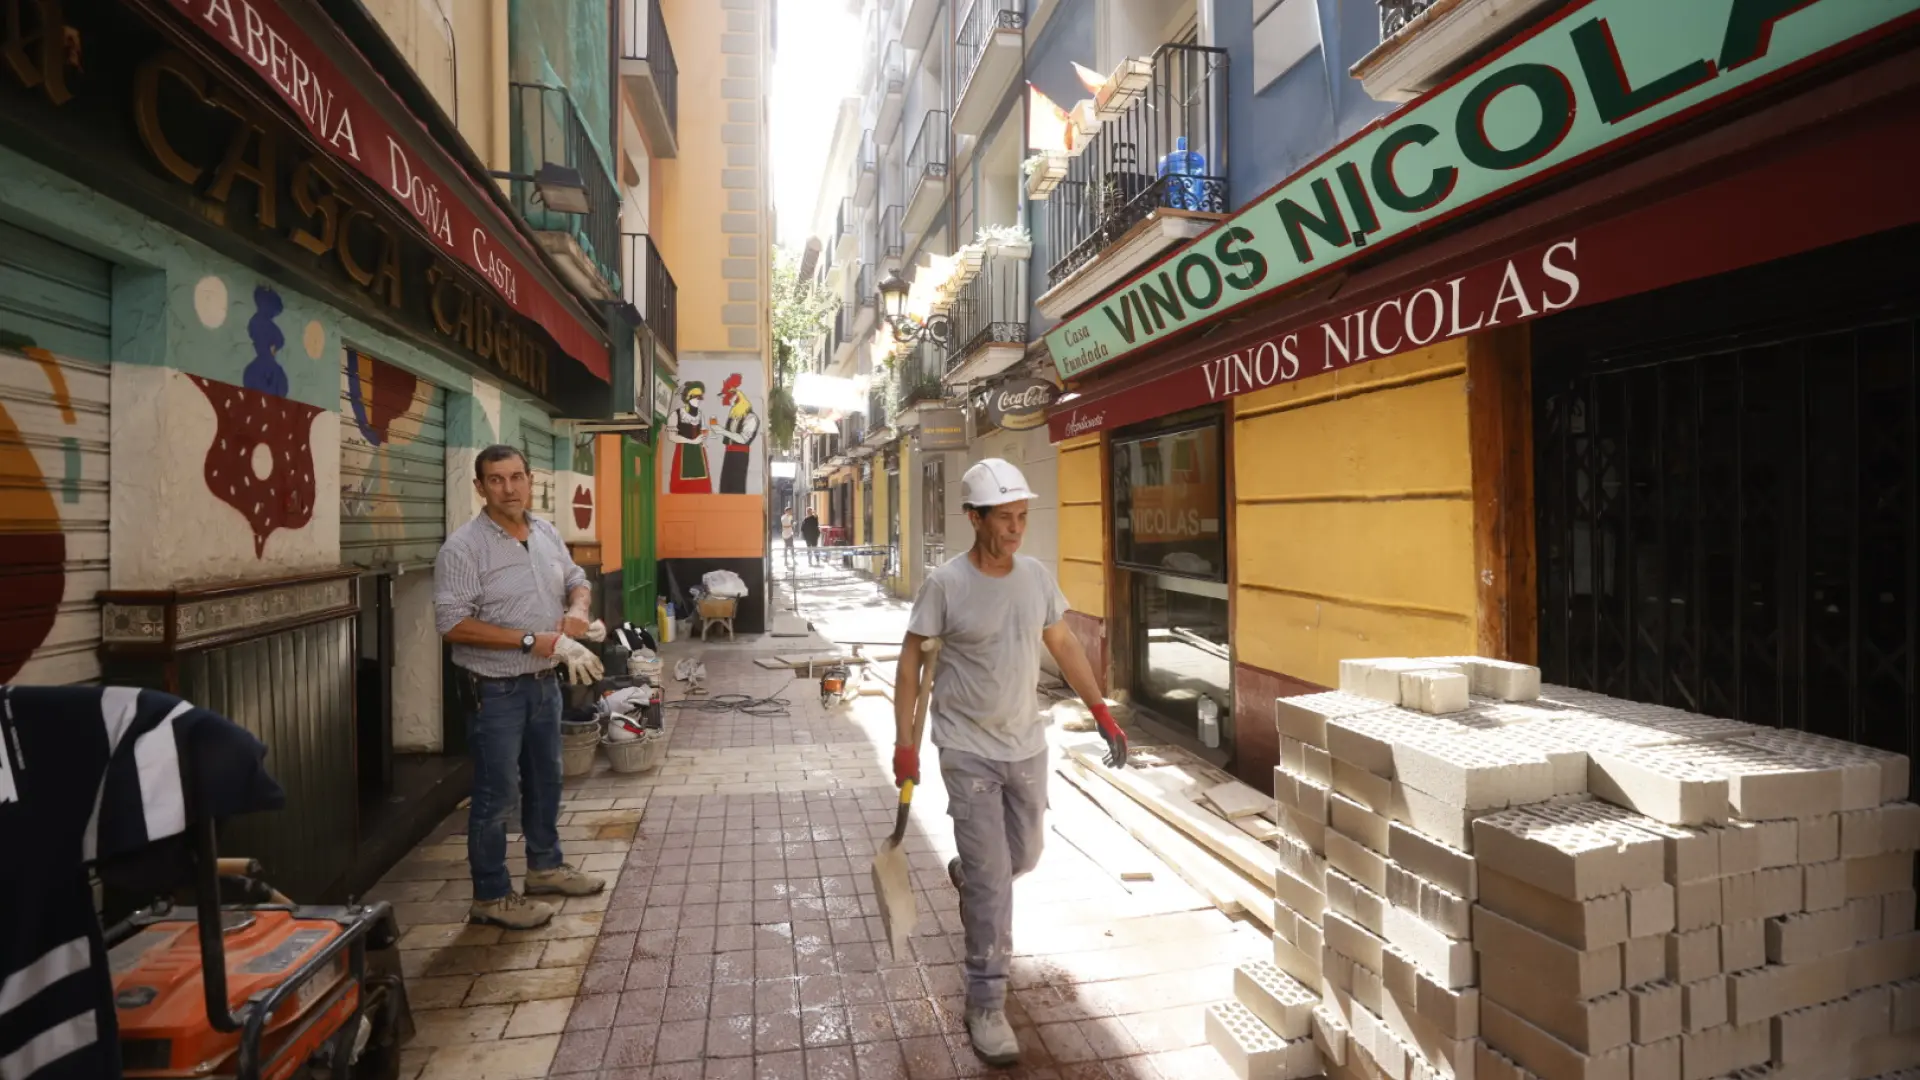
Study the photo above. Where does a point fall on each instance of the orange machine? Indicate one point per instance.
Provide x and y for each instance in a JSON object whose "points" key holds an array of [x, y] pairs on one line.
{"points": [[259, 990]]}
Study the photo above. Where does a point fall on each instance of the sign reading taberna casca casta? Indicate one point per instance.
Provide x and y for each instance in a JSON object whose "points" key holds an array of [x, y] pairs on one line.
{"points": [[1600, 72]]}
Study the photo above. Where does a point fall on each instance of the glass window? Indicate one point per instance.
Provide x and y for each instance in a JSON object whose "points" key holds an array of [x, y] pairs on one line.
{"points": [[1180, 648], [1168, 503]]}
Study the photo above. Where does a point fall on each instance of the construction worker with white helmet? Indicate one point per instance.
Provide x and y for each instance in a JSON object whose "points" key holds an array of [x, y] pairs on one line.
{"points": [[989, 608]]}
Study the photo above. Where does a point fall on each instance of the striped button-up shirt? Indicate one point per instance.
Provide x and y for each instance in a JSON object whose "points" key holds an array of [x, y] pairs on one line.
{"points": [[483, 573]]}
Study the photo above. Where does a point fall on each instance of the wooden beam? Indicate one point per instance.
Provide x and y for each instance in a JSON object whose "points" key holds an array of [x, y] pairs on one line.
{"points": [[1255, 860], [1500, 434]]}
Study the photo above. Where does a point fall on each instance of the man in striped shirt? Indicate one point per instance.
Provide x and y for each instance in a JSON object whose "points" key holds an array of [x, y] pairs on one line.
{"points": [[505, 590]]}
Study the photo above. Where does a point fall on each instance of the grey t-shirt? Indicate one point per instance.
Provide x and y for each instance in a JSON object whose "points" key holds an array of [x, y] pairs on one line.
{"points": [[986, 692]]}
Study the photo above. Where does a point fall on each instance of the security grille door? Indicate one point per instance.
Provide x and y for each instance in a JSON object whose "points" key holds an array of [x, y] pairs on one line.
{"points": [[537, 444], [55, 305], [1728, 523], [393, 465]]}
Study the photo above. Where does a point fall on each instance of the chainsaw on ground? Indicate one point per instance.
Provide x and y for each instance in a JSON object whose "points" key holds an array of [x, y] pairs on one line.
{"points": [[245, 984]]}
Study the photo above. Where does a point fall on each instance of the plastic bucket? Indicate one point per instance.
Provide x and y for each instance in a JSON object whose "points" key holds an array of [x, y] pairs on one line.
{"points": [[576, 759]]}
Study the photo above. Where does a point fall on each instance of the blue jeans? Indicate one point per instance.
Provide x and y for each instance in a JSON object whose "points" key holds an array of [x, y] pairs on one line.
{"points": [[514, 738]]}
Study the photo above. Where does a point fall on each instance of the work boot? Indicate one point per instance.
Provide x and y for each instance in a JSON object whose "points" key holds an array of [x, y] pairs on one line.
{"points": [[513, 911], [992, 1036], [564, 880]]}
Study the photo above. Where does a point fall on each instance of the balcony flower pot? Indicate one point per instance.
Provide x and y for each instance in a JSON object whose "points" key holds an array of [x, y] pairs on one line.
{"points": [[1044, 173], [1086, 123], [1127, 85]]}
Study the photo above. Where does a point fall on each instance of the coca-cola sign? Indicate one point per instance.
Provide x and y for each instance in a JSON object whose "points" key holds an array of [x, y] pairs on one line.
{"points": [[1020, 404]]}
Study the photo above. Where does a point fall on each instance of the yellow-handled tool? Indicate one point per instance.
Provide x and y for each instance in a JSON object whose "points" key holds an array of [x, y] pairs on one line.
{"points": [[892, 879]]}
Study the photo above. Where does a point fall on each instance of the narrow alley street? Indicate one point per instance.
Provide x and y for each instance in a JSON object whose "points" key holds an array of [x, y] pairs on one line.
{"points": [[739, 937]]}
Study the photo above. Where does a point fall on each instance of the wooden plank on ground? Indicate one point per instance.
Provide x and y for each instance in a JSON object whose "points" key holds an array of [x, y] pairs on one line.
{"points": [[1262, 830], [1229, 891], [1236, 800], [1253, 859], [1198, 868], [1088, 828]]}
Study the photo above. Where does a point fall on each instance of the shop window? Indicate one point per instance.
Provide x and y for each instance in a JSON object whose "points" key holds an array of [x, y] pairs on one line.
{"points": [[1169, 499], [1181, 655]]}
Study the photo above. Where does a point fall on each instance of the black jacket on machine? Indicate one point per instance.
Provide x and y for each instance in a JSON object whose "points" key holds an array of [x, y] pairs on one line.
{"points": [[88, 775]]}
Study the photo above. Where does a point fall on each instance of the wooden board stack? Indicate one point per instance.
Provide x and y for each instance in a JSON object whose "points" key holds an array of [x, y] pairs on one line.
{"points": [[1481, 878]]}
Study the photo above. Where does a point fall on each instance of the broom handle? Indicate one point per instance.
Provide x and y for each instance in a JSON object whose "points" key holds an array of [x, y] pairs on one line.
{"points": [[929, 660]]}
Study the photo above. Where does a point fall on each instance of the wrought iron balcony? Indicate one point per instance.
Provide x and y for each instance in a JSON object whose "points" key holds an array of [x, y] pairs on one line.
{"points": [[1166, 151], [893, 238], [879, 398], [650, 288], [918, 375], [845, 238], [866, 288], [548, 130], [866, 169], [853, 431], [926, 172], [652, 77], [986, 49], [990, 310], [889, 90]]}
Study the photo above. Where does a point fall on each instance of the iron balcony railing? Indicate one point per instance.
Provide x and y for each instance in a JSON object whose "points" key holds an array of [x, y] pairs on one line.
{"points": [[1396, 14], [918, 375], [893, 68], [976, 32], [893, 232], [867, 161], [878, 414], [651, 290], [844, 221], [1168, 150], [853, 430], [549, 131], [647, 40], [991, 309], [927, 157], [865, 291]]}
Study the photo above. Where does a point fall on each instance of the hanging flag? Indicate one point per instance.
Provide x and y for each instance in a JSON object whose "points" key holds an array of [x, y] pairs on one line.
{"points": [[1089, 78], [1048, 127]]}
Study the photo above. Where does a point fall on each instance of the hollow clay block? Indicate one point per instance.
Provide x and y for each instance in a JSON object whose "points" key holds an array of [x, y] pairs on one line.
{"points": [[1474, 771], [1304, 717], [1545, 1056], [1276, 998], [1434, 692], [1577, 851], [1454, 871], [1595, 923], [1663, 787], [1552, 966]]}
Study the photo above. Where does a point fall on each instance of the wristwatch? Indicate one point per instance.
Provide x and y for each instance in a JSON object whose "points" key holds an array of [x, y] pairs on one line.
{"points": [[526, 642]]}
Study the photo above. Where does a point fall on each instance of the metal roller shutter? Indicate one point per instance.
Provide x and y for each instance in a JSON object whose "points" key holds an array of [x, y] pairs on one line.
{"points": [[537, 444], [393, 465], [54, 344]]}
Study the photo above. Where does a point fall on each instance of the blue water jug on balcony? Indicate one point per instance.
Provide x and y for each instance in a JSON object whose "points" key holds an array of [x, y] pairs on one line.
{"points": [[1184, 173]]}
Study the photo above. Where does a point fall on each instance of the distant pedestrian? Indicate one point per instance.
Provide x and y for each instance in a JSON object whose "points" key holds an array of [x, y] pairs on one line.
{"points": [[810, 532], [786, 530], [988, 608], [499, 584]]}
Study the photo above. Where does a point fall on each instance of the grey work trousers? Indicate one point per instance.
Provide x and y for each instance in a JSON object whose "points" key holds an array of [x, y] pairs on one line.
{"points": [[998, 810]]}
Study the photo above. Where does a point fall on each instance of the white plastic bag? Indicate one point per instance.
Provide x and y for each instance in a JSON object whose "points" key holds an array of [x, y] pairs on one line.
{"points": [[724, 583]]}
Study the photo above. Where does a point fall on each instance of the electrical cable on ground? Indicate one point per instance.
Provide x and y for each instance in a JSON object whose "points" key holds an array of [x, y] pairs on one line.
{"points": [[746, 704]]}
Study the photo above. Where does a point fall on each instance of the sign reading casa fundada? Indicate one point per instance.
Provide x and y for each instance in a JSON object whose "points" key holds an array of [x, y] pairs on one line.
{"points": [[1602, 71]]}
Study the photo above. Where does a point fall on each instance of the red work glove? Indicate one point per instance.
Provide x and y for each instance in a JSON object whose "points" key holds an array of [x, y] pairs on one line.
{"points": [[1110, 731], [906, 765]]}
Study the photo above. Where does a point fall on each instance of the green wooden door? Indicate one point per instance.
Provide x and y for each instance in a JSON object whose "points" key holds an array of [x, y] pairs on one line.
{"points": [[637, 495]]}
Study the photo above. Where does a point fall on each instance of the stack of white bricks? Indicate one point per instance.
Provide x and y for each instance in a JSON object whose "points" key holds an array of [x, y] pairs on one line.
{"points": [[1483, 881]]}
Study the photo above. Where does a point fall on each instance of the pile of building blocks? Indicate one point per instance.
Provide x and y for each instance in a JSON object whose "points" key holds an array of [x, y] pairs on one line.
{"points": [[1485, 878]]}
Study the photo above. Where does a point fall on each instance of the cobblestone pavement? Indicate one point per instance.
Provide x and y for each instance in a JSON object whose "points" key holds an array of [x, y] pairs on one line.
{"points": [[739, 938]]}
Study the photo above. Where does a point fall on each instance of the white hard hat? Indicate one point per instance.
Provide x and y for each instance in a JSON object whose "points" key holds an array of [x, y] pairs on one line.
{"points": [[993, 481]]}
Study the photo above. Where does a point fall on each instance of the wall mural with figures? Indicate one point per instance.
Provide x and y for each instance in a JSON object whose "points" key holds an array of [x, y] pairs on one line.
{"points": [[715, 432]]}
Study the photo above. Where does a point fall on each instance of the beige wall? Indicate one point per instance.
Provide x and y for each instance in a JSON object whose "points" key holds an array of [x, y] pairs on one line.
{"points": [[470, 41]]}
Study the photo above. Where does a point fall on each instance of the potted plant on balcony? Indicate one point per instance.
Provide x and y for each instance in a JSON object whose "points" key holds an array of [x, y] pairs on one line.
{"points": [[1044, 171], [1012, 241], [1128, 84]]}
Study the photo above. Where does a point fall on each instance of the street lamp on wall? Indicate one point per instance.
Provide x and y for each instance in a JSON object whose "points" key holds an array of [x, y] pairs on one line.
{"points": [[907, 329]]}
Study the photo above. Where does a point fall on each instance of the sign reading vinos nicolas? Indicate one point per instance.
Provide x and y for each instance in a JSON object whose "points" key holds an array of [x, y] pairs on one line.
{"points": [[1600, 72]]}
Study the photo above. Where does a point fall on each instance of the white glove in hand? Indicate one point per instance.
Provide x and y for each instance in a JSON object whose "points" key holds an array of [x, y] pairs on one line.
{"points": [[596, 631], [583, 668]]}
